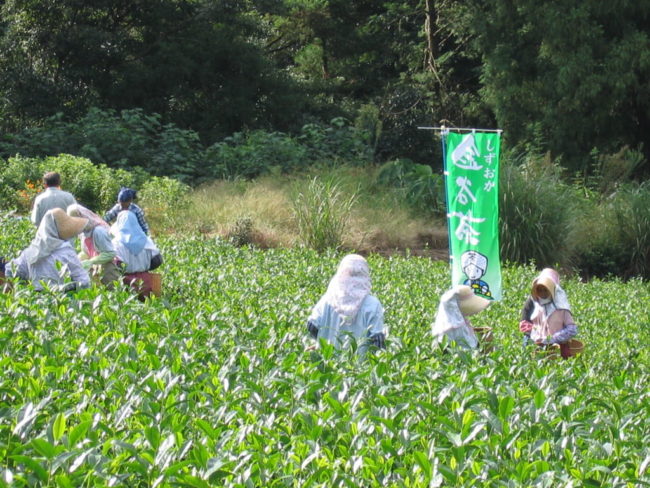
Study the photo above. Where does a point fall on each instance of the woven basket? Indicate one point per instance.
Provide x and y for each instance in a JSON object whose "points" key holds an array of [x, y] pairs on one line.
{"points": [[156, 284], [144, 283], [555, 351], [485, 338], [575, 348]]}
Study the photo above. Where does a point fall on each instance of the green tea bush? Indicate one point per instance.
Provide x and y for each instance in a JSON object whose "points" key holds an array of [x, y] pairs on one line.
{"points": [[95, 186], [213, 384], [535, 214], [322, 212]]}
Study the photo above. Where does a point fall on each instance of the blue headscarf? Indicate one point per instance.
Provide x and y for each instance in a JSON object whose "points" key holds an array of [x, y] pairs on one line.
{"points": [[125, 195], [127, 229]]}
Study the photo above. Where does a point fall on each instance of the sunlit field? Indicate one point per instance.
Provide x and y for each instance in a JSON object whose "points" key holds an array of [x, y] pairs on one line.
{"points": [[212, 383]]}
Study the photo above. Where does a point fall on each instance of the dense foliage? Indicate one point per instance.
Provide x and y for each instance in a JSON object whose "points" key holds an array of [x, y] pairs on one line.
{"points": [[133, 140], [565, 78], [195, 62], [212, 384], [94, 186]]}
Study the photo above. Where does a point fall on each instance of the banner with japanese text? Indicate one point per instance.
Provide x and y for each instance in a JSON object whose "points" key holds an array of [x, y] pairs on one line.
{"points": [[472, 187]]}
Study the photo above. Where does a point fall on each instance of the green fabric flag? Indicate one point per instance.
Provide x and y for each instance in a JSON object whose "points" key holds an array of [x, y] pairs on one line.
{"points": [[472, 186]]}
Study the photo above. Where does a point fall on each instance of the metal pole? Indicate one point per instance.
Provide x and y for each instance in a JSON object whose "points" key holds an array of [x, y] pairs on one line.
{"points": [[457, 129]]}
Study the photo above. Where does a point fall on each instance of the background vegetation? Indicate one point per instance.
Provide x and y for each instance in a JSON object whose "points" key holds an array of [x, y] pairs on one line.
{"points": [[211, 94]]}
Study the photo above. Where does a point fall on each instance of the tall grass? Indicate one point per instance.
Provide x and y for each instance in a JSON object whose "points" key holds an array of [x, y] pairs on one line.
{"points": [[632, 211], [380, 220], [535, 215], [322, 212]]}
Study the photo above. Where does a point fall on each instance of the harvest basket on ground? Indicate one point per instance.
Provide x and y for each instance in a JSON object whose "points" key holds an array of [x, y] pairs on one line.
{"points": [[485, 338], [556, 351], [144, 284]]}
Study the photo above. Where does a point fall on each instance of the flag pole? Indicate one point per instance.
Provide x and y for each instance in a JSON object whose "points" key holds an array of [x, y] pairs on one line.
{"points": [[445, 173], [459, 129]]}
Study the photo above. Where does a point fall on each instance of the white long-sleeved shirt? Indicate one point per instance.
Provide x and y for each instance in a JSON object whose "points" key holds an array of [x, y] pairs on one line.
{"points": [[368, 321], [44, 270]]}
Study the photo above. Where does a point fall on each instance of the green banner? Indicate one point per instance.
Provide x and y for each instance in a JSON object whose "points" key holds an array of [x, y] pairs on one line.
{"points": [[472, 185]]}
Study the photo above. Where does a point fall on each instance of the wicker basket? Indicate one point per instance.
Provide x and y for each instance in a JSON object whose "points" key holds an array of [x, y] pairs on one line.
{"points": [[485, 338], [144, 283], [556, 351], [156, 284], [575, 348]]}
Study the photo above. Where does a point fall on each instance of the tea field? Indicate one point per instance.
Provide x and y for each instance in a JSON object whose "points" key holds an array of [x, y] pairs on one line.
{"points": [[213, 385]]}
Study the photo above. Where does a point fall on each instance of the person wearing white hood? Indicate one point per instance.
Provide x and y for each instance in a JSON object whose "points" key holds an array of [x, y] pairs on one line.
{"points": [[456, 305], [347, 309], [134, 248], [546, 316], [38, 262]]}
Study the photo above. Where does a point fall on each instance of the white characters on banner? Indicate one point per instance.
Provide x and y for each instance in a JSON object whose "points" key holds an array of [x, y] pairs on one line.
{"points": [[465, 154], [464, 191], [464, 231]]}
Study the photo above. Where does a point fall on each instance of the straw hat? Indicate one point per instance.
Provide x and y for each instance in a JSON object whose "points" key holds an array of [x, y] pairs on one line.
{"points": [[551, 273], [546, 281], [68, 226], [468, 302]]}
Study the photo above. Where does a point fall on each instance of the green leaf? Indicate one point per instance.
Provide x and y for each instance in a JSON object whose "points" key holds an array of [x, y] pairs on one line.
{"points": [[32, 464], [44, 448], [58, 427], [77, 432], [539, 398], [506, 405], [424, 463]]}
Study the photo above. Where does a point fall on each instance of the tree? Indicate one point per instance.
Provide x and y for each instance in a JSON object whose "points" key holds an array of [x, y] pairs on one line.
{"points": [[196, 62], [567, 76]]}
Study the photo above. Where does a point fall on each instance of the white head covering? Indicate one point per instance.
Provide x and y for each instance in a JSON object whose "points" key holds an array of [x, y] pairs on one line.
{"points": [[551, 279], [46, 241], [449, 315], [450, 320], [76, 210], [128, 233], [349, 287]]}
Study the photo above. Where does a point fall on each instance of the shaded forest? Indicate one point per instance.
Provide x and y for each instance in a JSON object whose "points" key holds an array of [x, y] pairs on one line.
{"points": [[568, 79]]}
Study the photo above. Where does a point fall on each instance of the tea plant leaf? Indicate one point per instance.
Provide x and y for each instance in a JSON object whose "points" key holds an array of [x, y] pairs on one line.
{"points": [[59, 426]]}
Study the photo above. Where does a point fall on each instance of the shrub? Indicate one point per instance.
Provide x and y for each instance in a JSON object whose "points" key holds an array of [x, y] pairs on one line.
{"points": [[95, 186], [336, 143], [130, 138], [16, 234], [251, 154], [322, 212], [632, 210], [241, 232], [163, 200], [421, 187]]}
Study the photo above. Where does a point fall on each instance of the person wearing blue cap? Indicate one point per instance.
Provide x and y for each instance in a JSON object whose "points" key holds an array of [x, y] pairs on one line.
{"points": [[125, 199]]}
